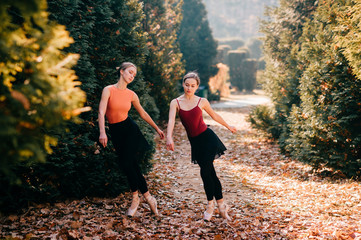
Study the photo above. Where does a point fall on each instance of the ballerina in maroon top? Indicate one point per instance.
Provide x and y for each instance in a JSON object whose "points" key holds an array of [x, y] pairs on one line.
{"points": [[205, 144]]}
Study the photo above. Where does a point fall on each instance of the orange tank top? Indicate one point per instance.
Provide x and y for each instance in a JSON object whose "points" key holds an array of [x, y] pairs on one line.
{"points": [[119, 104]]}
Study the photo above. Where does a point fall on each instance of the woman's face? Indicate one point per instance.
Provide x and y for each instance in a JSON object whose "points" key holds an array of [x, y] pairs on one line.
{"points": [[190, 86], [128, 74]]}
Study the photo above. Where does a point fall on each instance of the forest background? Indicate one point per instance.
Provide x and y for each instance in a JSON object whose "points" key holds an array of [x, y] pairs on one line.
{"points": [[57, 56]]}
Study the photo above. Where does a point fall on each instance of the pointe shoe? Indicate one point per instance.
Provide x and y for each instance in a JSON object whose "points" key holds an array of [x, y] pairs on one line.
{"points": [[223, 210], [152, 204], [133, 207], [209, 212]]}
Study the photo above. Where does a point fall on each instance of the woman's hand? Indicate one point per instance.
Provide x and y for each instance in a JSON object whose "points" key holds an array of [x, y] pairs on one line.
{"points": [[103, 139], [160, 133], [170, 144], [232, 129]]}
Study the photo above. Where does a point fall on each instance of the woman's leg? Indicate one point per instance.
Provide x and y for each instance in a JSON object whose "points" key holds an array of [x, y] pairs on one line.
{"points": [[213, 189], [211, 183], [143, 188], [132, 171], [217, 184], [139, 177]]}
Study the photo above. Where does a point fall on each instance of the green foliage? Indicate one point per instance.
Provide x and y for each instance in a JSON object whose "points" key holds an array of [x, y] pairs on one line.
{"points": [[106, 33], [326, 128], [196, 42], [348, 35], [283, 70], [163, 68], [222, 53], [314, 83], [249, 73], [262, 118], [38, 91], [235, 59]]}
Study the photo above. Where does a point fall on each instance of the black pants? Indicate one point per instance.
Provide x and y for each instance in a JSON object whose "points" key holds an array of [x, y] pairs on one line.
{"points": [[211, 183], [134, 175], [130, 145]]}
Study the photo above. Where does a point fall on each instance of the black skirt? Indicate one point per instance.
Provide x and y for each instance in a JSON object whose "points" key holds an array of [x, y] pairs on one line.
{"points": [[127, 138], [206, 146]]}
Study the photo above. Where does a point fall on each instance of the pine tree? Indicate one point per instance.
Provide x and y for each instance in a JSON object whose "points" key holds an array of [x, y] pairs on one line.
{"points": [[38, 89], [196, 41], [163, 67]]}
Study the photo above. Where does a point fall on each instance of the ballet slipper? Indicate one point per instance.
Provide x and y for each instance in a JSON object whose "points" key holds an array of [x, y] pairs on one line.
{"points": [[209, 211], [152, 202], [133, 207], [223, 210]]}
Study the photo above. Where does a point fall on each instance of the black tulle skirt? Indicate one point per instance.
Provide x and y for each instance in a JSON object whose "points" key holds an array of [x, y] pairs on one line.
{"points": [[127, 138], [206, 147]]}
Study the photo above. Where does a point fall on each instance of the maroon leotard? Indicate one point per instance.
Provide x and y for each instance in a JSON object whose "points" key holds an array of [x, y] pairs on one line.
{"points": [[192, 120]]}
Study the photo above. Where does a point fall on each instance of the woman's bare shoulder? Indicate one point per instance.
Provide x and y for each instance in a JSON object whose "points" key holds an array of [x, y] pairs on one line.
{"points": [[203, 103], [107, 88]]}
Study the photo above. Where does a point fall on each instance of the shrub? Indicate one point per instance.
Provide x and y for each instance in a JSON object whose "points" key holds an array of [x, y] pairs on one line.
{"points": [[235, 59], [222, 53], [38, 92], [219, 83], [326, 128], [249, 74], [262, 118]]}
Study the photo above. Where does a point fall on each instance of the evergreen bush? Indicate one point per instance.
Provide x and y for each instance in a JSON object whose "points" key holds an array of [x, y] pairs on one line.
{"points": [[326, 128], [249, 74], [163, 68], [313, 77], [39, 91], [222, 53], [262, 118], [106, 33], [281, 43], [235, 59]]}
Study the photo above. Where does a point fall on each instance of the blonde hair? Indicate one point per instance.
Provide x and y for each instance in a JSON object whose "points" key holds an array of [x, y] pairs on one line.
{"points": [[192, 75], [124, 66]]}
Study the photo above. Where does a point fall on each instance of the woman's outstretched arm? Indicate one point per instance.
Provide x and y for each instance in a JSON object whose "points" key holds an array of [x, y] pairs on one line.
{"points": [[171, 122], [145, 116], [215, 116]]}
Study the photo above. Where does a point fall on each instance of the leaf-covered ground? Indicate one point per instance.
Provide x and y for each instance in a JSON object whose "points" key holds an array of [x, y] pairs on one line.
{"points": [[271, 197]]}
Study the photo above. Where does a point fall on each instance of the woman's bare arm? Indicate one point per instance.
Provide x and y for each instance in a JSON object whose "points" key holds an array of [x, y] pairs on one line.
{"points": [[103, 139], [215, 116], [171, 122], [145, 116]]}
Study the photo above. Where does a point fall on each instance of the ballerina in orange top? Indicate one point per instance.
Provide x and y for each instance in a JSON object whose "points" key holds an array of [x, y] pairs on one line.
{"points": [[129, 142]]}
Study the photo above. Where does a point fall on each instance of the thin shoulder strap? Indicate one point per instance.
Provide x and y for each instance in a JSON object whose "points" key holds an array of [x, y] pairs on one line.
{"points": [[178, 103], [199, 101]]}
